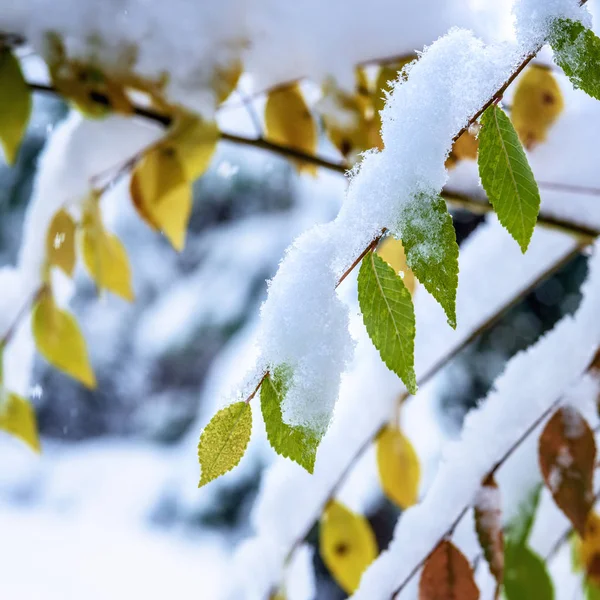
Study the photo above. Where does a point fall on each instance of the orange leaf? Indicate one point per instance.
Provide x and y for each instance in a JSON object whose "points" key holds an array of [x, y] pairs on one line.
{"points": [[488, 524], [567, 453], [447, 575]]}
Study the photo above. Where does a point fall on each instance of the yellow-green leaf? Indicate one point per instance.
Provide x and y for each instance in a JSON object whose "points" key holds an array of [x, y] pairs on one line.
{"points": [[59, 340], [60, 242], [347, 545], [536, 105], [17, 417], [399, 468], [194, 141], [289, 122], [224, 441], [15, 104], [162, 194]]}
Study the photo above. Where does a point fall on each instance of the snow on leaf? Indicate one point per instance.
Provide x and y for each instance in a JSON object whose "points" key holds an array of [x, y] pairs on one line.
{"points": [[447, 575], [347, 544], [289, 122], [577, 52], [15, 104], [295, 442], [389, 316], [60, 242], [399, 468], [567, 453], [506, 176], [429, 240], [488, 524], [17, 417], [59, 340], [526, 575], [224, 441], [162, 194]]}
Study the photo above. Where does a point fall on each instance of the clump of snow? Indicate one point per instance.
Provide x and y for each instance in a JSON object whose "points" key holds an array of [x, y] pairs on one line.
{"points": [[520, 395], [305, 326], [534, 18]]}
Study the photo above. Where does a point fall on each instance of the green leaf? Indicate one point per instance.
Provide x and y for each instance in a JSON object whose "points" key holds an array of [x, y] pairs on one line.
{"points": [[577, 52], [224, 441], [429, 241], [506, 175], [519, 528], [17, 417], [15, 104], [525, 575], [592, 591], [389, 316], [297, 443]]}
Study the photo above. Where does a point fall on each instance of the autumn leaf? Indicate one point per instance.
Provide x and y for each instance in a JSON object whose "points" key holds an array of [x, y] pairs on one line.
{"points": [[162, 194], [17, 418], [104, 255], [589, 548], [60, 242], [392, 251], [59, 340], [488, 525], [15, 105], [399, 468], [447, 575], [347, 545], [567, 453], [536, 105], [289, 122]]}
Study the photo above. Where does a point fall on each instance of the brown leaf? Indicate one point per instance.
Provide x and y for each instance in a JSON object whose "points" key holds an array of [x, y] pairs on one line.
{"points": [[567, 453], [447, 575], [488, 524]]}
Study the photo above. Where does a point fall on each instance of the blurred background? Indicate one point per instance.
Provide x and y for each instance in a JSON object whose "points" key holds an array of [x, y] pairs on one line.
{"points": [[111, 509]]}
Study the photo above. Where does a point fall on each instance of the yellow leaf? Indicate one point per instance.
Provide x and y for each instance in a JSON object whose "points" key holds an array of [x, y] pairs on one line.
{"points": [[347, 545], [465, 148], [17, 417], [194, 142], [345, 121], [60, 242], [399, 469], [589, 548], [289, 122], [59, 340], [15, 105], [226, 80], [106, 260], [162, 194], [536, 105], [392, 251]]}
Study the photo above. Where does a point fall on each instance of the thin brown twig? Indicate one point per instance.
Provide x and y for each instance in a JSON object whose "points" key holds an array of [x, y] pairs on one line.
{"points": [[255, 391], [21, 314], [370, 247]]}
